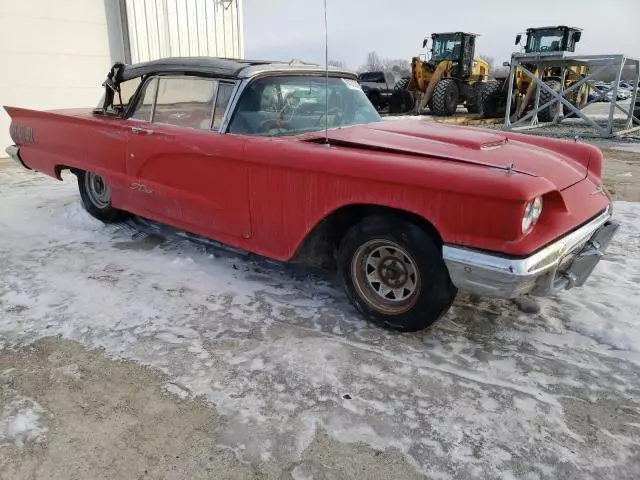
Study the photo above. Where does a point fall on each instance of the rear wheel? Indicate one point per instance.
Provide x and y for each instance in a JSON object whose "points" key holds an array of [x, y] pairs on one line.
{"points": [[493, 100], [549, 113], [577, 98], [394, 274], [96, 198], [473, 103], [402, 100], [444, 100]]}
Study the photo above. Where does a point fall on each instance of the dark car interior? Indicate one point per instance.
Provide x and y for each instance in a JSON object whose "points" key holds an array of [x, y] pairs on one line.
{"points": [[289, 105]]}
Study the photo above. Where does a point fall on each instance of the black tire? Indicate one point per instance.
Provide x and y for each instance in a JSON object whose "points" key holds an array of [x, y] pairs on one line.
{"points": [[549, 113], [444, 100], [96, 198], [402, 84], [429, 292], [473, 101], [493, 100], [402, 100], [573, 99]]}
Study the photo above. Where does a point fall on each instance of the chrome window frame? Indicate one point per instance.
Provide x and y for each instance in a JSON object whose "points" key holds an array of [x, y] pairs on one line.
{"points": [[128, 115]]}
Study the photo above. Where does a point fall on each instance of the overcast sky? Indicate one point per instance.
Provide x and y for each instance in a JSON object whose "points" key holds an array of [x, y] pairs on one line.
{"points": [[286, 29]]}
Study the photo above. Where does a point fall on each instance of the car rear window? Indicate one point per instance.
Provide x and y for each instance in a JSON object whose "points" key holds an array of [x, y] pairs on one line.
{"points": [[184, 101]]}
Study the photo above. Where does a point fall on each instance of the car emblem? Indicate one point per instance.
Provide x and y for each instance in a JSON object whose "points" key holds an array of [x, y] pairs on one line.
{"points": [[599, 190]]}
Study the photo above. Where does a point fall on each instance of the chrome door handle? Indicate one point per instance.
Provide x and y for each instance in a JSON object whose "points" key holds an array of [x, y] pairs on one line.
{"points": [[139, 130]]}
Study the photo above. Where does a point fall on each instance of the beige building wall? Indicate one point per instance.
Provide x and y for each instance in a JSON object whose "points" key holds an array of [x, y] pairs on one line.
{"points": [[56, 53], [53, 54]]}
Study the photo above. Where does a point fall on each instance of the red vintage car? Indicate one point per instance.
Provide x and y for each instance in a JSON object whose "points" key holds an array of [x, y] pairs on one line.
{"points": [[408, 212]]}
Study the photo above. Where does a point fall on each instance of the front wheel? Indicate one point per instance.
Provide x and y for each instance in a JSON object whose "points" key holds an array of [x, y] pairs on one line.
{"points": [[444, 100], [96, 198], [548, 114], [394, 274]]}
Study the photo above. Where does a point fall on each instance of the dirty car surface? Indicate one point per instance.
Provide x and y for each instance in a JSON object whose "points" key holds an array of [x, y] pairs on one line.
{"points": [[237, 151]]}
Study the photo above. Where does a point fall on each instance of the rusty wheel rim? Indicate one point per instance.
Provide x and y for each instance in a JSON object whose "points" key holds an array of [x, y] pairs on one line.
{"points": [[385, 276], [97, 190]]}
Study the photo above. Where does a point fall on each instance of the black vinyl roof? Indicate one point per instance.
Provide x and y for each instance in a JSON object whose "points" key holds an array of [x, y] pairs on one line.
{"points": [[224, 67]]}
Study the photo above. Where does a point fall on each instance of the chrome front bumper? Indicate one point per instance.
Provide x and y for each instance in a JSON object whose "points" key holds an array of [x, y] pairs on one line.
{"points": [[14, 152], [564, 264]]}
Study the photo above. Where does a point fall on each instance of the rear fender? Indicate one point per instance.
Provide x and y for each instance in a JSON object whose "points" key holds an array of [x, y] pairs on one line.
{"points": [[50, 142]]}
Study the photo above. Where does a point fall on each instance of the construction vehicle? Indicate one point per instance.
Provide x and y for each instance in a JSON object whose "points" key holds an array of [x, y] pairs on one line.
{"points": [[543, 41], [450, 76]]}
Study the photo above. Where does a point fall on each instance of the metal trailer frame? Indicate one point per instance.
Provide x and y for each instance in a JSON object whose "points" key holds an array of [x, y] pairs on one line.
{"points": [[596, 64]]}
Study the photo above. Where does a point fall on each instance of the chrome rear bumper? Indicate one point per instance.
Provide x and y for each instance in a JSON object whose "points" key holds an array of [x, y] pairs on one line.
{"points": [[564, 264], [14, 152]]}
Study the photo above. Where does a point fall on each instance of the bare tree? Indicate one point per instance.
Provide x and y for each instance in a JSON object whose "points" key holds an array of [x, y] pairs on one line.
{"points": [[373, 62], [338, 63], [400, 66]]}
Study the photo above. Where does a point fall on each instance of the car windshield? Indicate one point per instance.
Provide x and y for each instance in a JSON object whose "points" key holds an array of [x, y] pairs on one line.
{"points": [[289, 105], [446, 47], [547, 40]]}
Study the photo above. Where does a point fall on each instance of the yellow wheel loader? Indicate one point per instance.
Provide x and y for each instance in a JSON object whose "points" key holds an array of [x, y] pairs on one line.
{"points": [[451, 76], [543, 40]]}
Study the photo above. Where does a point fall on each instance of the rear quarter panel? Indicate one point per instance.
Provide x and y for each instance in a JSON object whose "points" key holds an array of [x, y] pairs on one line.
{"points": [[77, 139]]}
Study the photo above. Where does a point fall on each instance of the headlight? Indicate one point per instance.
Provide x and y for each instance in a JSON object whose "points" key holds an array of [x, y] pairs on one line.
{"points": [[532, 213]]}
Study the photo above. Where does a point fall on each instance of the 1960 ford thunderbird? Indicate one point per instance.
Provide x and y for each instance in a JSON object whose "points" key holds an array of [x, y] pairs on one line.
{"points": [[408, 212]]}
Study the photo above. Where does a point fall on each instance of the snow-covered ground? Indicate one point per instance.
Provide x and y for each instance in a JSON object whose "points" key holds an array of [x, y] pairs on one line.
{"points": [[487, 393], [20, 422]]}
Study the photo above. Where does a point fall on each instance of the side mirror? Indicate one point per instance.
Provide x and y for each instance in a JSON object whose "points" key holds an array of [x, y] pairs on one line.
{"points": [[518, 38], [577, 36], [506, 64], [424, 42]]}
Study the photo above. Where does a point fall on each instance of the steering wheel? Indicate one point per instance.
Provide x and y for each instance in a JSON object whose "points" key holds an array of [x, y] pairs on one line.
{"points": [[332, 111], [273, 124]]}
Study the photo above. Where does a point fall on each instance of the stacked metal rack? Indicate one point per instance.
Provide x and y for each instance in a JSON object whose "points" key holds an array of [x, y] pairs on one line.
{"points": [[597, 65]]}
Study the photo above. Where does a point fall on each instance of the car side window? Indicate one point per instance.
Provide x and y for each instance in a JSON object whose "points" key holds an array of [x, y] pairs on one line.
{"points": [[144, 106], [185, 102]]}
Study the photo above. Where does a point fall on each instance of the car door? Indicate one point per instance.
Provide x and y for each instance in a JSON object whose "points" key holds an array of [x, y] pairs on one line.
{"points": [[186, 173]]}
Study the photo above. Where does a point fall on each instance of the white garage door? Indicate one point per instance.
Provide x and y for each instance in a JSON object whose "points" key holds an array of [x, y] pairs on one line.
{"points": [[53, 54]]}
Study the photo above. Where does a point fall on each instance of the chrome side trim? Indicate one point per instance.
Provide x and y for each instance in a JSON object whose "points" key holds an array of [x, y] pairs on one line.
{"points": [[14, 152], [489, 274]]}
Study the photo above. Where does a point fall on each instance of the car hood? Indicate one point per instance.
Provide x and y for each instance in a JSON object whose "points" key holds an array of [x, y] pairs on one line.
{"points": [[461, 144]]}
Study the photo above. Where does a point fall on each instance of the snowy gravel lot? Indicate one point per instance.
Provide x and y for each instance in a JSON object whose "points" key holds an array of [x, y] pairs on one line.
{"points": [[489, 392]]}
